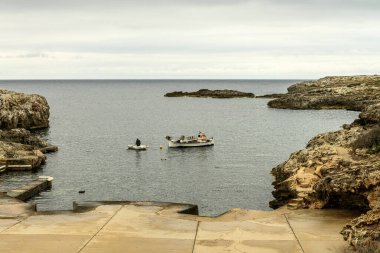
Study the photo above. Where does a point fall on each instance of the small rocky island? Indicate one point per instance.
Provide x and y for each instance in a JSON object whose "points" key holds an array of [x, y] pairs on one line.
{"points": [[212, 94], [337, 169], [19, 115]]}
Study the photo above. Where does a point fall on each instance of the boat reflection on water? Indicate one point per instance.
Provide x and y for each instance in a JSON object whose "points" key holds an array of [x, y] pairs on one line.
{"points": [[191, 154]]}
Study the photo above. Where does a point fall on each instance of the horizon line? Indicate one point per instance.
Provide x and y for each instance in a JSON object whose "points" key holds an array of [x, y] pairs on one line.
{"points": [[156, 79]]}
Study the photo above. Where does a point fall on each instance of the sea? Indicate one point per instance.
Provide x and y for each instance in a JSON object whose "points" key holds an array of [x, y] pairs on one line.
{"points": [[93, 121]]}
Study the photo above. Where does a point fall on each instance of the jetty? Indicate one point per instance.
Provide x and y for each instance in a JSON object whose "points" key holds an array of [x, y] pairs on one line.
{"points": [[31, 189], [15, 167], [31, 162]]}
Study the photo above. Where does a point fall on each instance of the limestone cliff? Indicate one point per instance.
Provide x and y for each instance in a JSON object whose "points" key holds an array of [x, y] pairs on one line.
{"points": [[338, 92], [19, 112], [334, 170]]}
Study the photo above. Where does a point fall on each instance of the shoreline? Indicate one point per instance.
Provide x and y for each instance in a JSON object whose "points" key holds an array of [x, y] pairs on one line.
{"points": [[20, 147], [120, 226], [313, 174], [334, 171]]}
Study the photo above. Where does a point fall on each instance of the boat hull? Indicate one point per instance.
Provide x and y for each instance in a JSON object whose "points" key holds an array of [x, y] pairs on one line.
{"points": [[190, 145], [135, 147]]}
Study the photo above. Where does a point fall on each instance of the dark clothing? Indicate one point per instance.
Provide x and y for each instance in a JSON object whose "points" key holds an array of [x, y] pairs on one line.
{"points": [[138, 142]]}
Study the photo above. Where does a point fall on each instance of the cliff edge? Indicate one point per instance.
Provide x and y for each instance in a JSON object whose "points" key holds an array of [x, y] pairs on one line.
{"points": [[335, 92], [19, 110], [20, 113]]}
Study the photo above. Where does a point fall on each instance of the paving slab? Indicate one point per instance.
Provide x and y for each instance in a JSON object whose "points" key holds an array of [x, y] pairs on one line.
{"points": [[325, 246], [54, 232], [319, 230], [41, 243], [268, 234], [317, 224], [69, 223], [7, 223], [144, 229], [13, 208]]}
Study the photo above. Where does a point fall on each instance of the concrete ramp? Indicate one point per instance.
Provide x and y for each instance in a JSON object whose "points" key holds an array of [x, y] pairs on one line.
{"points": [[139, 227]]}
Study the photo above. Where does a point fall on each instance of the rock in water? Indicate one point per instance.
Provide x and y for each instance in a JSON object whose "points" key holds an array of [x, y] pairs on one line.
{"points": [[211, 94], [19, 110]]}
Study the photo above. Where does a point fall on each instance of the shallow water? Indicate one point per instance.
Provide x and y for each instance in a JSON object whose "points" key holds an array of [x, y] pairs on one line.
{"points": [[92, 122]]}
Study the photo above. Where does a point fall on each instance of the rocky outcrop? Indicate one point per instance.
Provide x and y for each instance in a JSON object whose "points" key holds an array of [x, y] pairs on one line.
{"points": [[371, 114], [364, 232], [19, 112], [22, 136], [305, 168], [212, 94], [347, 92], [16, 154], [330, 172], [275, 95]]}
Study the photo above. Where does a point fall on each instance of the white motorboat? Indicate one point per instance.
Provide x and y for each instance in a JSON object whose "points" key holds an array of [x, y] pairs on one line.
{"points": [[200, 140], [135, 147]]}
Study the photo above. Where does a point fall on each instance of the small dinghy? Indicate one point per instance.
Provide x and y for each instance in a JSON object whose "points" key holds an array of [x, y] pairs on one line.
{"points": [[135, 147]]}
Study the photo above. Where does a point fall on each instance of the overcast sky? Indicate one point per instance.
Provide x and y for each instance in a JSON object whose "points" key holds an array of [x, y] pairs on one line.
{"points": [[54, 39]]}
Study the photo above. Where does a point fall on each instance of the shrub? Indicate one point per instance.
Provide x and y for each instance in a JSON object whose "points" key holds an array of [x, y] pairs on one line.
{"points": [[369, 140]]}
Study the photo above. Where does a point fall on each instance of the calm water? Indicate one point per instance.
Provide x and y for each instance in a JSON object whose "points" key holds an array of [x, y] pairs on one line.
{"points": [[93, 121]]}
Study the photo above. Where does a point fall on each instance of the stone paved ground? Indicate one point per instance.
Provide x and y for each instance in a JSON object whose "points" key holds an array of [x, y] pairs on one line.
{"points": [[158, 227]]}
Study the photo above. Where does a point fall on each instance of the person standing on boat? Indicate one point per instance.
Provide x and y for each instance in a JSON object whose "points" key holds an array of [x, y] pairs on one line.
{"points": [[138, 142]]}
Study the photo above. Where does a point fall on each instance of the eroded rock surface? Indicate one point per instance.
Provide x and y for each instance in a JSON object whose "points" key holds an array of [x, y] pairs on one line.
{"points": [[371, 114], [341, 92], [19, 112], [19, 154], [329, 172], [23, 136], [211, 94]]}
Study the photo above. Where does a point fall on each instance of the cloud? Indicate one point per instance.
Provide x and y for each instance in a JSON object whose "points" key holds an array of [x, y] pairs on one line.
{"points": [[188, 38]]}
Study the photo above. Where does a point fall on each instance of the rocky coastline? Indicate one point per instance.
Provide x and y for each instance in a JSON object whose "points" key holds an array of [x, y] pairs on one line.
{"points": [[212, 94], [275, 95], [337, 169], [337, 92], [20, 115]]}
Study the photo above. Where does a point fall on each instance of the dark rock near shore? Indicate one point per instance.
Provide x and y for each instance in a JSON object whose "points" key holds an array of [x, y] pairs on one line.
{"points": [[275, 95], [329, 172], [211, 94]]}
